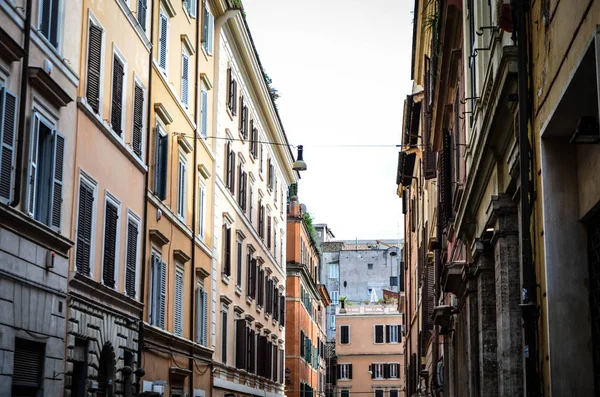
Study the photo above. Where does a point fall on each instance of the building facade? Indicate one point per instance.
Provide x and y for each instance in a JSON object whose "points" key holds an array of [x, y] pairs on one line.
{"points": [[39, 76], [370, 356], [306, 302]]}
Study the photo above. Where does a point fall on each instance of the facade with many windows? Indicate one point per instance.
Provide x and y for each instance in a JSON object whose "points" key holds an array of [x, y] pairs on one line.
{"points": [[369, 348], [39, 75], [306, 302]]}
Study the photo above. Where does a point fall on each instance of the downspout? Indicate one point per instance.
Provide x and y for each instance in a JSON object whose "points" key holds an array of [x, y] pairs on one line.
{"points": [[194, 196], [436, 294], [22, 105], [529, 288], [145, 197]]}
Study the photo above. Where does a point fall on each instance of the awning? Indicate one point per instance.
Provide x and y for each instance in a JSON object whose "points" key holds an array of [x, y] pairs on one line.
{"points": [[406, 166]]}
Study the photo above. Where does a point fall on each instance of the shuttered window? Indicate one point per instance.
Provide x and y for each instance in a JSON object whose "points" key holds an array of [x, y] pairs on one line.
{"points": [[251, 204], [344, 334], [230, 168], [379, 334], [28, 365], [261, 219], [94, 66], [181, 190], [185, 79], [161, 166], [392, 334], [159, 288], [178, 302], [163, 38], [224, 342], [253, 139], [131, 260], [240, 343], [243, 119], [138, 120], [239, 260], [231, 92], [226, 250], [282, 309], [268, 236], [204, 113], [8, 128], [111, 216], [84, 228], [201, 316], [49, 20], [251, 355], [45, 173], [208, 27], [116, 110], [142, 11], [201, 210]]}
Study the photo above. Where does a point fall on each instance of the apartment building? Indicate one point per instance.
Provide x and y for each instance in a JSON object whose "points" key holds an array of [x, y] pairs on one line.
{"points": [[39, 75], [369, 347], [306, 302], [252, 172], [177, 346]]}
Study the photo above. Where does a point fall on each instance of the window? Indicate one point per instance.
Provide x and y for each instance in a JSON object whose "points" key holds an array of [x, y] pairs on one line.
{"points": [[260, 159], [142, 11], [268, 236], [345, 371], [394, 370], [251, 277], [226, 250], [241, 337], [334, 297], [185, 78], [204, 113], [118, 95], [181, 183], [334, 270], [230, 168], [251, 204], [243, 119], [392, 333], [85, 225], [242, 198], [231, 92], [472, 58], [238, 276], [161, 162], [201, 316], [393, 392], [208, 27], [370, 266], [344, 393], [94, 65], [377, 371], [28, 366], [253, 139], [378, 392], [270, 174], [332, 322], [158, 289], [379, 334], [190, 7], [138, 120], [45, 172], [178, 329], [163, 40], [111, 238], [344, 334], [224, 325], [49, 17], [131, 261], [261, 219], [393, 281], [201, 209]]}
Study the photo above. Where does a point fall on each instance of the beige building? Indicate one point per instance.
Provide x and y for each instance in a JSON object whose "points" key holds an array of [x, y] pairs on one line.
{"points": [[370, 352]]}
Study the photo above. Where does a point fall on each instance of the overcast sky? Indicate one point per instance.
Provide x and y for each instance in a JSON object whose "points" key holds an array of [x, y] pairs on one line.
{"points": [[343, 70]]}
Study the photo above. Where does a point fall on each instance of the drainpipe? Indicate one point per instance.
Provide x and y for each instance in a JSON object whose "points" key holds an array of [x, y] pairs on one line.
{"points": [[528, 305], [145, 198], [22, 105], [436, 294]]}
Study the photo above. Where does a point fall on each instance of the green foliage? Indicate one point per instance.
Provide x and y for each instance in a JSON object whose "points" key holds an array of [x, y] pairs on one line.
{"points": [[308, 221], [274, 92]]}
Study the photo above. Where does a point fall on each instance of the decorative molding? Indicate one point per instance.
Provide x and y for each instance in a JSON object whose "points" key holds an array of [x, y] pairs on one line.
{"points": [[185, 144], [240, 234], [187, 43], [10, 50], [238, 309], [228, 218], [249, 318], [206, 81], [203, 170], [169, 8], [181, 256], [202, 272], [48, 87], [162, 112], [158, 237], [225, 300]]}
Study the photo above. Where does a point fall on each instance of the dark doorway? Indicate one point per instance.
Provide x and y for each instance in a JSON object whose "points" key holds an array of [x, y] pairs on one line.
{"points": [[594, 269], [106, 372], [79, 375]]}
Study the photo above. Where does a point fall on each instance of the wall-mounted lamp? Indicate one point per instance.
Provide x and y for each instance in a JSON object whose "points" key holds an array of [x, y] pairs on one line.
{"points": [[587, 131], [299, 164]]}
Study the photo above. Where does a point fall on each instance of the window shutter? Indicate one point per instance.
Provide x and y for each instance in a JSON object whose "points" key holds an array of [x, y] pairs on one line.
{"points": [[204, 26], [445, 180], [211, 32], [232, 187], [234, 102], [387, 334], [45, 10], [185, 91], [84, 229], [162, 41], [241, 339], [242, 121], [32, 185], [116, 112], [163, 294], [138, 122], [230, 97], [349, 371], [141, 13], [386, 371], [373, 367], [131, 265], [57, 183], [178, 303], [8, 134], [155, 293], [199, 315], [204, 114], [94, 67], [204, 318], [110, 244], [28, 363], [161, 169]]}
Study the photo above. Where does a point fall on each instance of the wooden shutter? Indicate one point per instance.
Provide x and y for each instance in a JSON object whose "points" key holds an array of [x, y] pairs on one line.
{"points": [[138, 122], [94, 66], [162, 41], [240, 344], [230, 95], [234, 95], [232, 186], [242, 119], [227, 250], [178, 302], [386, 371], [185, 77], [116, 111], [8, 127], [141, 13], [379, 334], [344, 334], [56, 197], [110, 244], [268, 236], [161, 167], [163, 294], [445, 180], [349, 371], [33, 161], [224, 341], [28, 363], [204, 114], [84, 229], [131, 260], [282, 309]]}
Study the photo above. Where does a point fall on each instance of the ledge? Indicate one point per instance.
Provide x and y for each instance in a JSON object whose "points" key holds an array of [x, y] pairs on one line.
{"points": [[169, 8], [225, 299], [188, 44], [48, 87], [181, 256], [30, 229], [238, 309], [202, 272], [240, 234], [11, 50], [158, 237], [203, 171], [206, 81], [163, 113], [249, 318], [185, 144], [452, 277]]}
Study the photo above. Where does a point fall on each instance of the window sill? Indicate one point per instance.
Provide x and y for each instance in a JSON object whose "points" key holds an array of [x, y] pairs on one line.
{"points": [[108, 132], [225, 278]]}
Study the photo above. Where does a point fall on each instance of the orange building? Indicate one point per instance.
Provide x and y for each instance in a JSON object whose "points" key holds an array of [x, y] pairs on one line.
{"points": [[306, 302]]}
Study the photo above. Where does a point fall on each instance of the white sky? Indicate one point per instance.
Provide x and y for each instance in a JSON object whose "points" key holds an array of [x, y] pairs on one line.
{"points": [[342, 68]]}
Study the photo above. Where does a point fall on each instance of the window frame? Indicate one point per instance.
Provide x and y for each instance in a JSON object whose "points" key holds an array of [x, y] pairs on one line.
{"points": [[335, 297], [59, 22], [109, 197], [345, 371], [375, 334], [119, 55], [208, 41], [88, 180], [349, 337], [397, 328], [146, 19], [393, 367], [378, 369], [160, 133], [239, 262]]}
